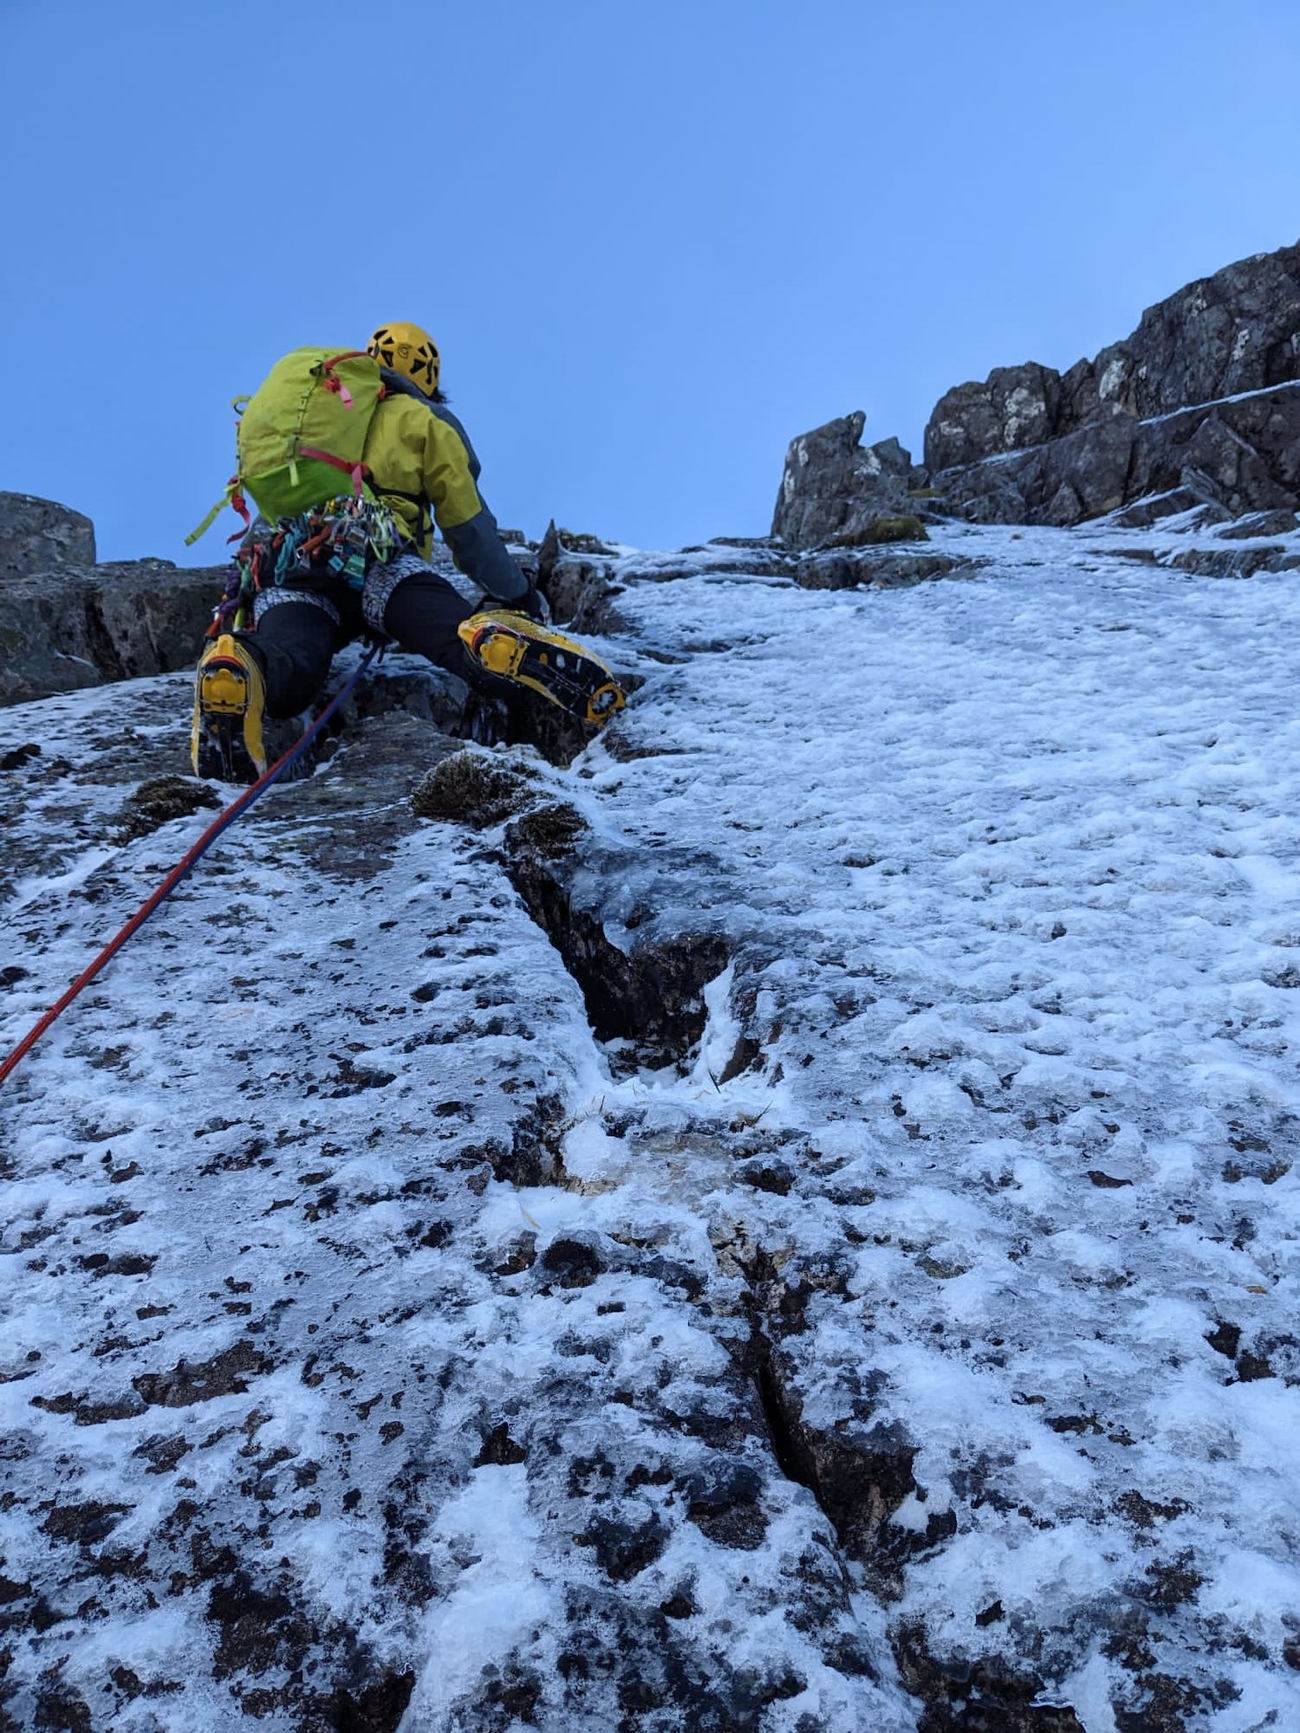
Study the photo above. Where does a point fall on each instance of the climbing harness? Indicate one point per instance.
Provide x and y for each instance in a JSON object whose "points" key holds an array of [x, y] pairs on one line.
{"points": [[345, 538], [188, 860]]}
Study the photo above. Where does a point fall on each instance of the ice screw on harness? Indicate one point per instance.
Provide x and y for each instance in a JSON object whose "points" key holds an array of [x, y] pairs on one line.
{"points": [[187, 861]]}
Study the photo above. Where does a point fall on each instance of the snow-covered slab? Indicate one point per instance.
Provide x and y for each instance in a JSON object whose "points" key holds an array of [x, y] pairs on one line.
{"points": [[917, 1352]]}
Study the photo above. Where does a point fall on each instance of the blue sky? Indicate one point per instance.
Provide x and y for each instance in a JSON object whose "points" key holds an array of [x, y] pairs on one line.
{"points": [[653, 241]]}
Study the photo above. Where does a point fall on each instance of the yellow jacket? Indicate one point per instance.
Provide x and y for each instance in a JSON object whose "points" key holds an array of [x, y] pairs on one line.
{"points": [[422, 464]]}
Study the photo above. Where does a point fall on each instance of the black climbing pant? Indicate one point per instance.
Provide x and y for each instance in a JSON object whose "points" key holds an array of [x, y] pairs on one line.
{"points": [[296, 638]]}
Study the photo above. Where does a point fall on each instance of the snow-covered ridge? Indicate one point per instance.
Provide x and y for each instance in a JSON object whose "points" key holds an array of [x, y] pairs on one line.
{"points": [[917, 1352]]}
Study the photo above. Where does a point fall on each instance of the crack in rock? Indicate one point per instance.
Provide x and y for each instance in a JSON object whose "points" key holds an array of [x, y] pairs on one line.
{"points": [[650, 996]]}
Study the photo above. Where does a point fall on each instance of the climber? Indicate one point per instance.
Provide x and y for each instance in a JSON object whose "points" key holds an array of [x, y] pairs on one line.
{"points": [[306, 584]]}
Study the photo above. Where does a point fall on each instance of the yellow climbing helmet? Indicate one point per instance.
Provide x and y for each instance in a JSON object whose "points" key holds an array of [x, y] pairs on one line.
{"points": [[408, 350]]}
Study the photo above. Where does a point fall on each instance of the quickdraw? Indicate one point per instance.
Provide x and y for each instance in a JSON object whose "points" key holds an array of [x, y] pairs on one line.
{"points": [[346, 537]]}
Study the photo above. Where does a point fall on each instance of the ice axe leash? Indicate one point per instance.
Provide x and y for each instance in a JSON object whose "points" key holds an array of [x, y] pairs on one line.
{"points": [[187, 861]]}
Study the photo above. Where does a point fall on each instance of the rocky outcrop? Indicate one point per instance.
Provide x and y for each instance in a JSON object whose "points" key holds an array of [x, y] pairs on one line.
{"points": [[1235, 332], [834, 487], [1199, 404], [875, 569]]}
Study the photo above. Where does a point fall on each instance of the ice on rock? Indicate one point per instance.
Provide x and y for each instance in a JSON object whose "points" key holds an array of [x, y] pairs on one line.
{"points": [[385, 1349]]}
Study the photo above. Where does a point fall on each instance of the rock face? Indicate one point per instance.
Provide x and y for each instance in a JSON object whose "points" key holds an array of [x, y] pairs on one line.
{"points": [[833, 487], [81, 625], [1161, 411], [1199, 406], [1014, 407], [1239, 454]]}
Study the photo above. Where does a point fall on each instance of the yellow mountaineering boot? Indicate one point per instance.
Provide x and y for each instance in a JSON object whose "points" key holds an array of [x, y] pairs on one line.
{"points": [[513, 646], [229, 700]]}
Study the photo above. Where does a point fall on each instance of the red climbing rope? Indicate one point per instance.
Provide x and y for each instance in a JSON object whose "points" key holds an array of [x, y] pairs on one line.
{"points": [[183, 866]]}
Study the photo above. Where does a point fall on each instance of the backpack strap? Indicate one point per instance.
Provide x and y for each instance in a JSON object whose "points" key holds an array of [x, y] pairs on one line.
{"points": [[232, 496], [332, 383], [358, 471]]}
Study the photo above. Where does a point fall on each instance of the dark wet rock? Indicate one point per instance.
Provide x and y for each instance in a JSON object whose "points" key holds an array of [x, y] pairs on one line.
{"points": [[624, 1547], [1081, 475], [649, 995], [533, 1156], [374, 1708], [974, 1695], [224, 1374], [1237, 331], [373, 773], [86, 1412], [158, 801], [723, 1501], [570, 1263], [499, 1448], [1261, 523], [39, 534], [574, 573], [416, 688], [84, 1524], [1161, 1704], [1169, 1583], [1146, 1512], [60, 1709], [528, 720], [162, 1452], [1153, 508], [860, 1473], [582, 594], [1233, 562], [1231, 456]]}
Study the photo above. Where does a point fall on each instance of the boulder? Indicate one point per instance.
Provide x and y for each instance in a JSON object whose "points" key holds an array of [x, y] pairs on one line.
{"points": [[833, 485], [36, 534]]}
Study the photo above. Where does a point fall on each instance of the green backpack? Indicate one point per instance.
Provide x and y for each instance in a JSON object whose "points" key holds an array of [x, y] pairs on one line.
{"points": [[301, 430]]}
